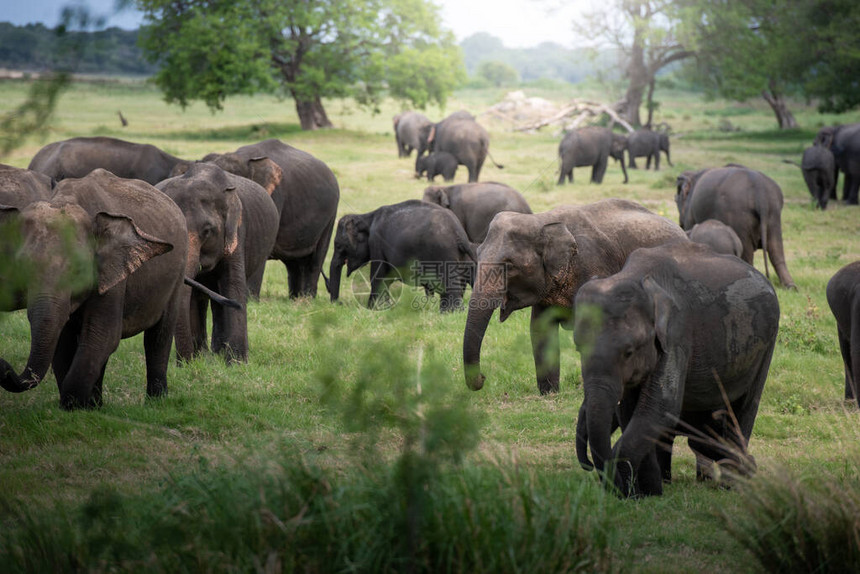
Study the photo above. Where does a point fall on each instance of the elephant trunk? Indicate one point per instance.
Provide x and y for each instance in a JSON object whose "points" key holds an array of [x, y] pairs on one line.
{"points": [[582, 439], [623, 167], [184, 337], [47, 315], [334, 277], [481, 307], [601, 396]]}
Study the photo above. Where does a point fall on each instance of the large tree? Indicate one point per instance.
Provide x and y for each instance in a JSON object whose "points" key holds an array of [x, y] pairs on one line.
{"points": [[643, 31], [776, 48], [312, 49]]}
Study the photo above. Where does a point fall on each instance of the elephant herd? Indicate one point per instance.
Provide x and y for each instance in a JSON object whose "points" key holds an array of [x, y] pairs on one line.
{"points": [[835, 149], [120, 238]]}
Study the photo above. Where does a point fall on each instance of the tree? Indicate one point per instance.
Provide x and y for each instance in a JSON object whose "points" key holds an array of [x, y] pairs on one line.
{"points": [[777, 48], [211, 49], [497, 73], [644, 32]]}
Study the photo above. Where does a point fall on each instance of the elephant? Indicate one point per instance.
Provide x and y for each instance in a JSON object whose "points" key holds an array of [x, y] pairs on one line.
{"points": [[590, 146], [461, 136], [407, 131], [18, 188], [744, 199], [76, 157], [306, 195], [232, 224], [718, 236], [844, 142], [475, 204], [392, 236], [647, 358], [540, 261], [109, 259], [819, 172], [437, 163], [648, 144], [843, 297]]}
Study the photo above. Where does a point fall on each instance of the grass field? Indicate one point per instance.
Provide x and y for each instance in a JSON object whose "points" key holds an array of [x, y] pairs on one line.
{"points": [[335, 385]]}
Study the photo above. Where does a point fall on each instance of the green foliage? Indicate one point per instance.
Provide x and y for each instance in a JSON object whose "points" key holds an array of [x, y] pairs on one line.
{"points": [[803, 523], [313, 50], [497, 74], [807, 48]]}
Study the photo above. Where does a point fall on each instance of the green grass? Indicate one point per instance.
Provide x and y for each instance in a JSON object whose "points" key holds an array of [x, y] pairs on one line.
{"points": [[323, 380]]}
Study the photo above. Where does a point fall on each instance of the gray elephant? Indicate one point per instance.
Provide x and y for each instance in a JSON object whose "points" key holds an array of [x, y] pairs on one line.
{"points": [[646, 357], [437, 163], [843, 297], [590, 146], [422, 239], [844, 142], [744, 199], [306, 194], [819, 172], [232, 224], [18, 188], [109, 259], [540, 261], [476, 204], [407, 131], [461, 136], [76, 157], [647, 144], [718, 236]]}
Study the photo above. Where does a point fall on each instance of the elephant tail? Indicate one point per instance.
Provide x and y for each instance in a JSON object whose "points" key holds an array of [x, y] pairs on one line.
{"points": [[790, 162], [220, 299], [498, 165], [763, 214], [467, 248]]}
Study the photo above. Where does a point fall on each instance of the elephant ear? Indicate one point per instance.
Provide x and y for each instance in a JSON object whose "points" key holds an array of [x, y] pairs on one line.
{"points": [[266, 172], [664, 306], [121, 248], [180, 168], [233, 221], [437, 195], [557, 248]]}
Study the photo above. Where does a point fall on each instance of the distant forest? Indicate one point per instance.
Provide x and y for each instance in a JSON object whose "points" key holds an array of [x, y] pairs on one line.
{"points": [[114, 51], [35, 48], [547, 60]]}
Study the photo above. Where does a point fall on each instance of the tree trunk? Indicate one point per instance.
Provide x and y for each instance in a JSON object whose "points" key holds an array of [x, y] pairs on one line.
{"points": [[650, 103], [637, 73], [311, 113], [777, 103]]}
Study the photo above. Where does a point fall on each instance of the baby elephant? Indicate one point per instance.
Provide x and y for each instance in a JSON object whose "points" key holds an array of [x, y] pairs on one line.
{"points": [[437, 163], [424, 240], [718, 236], [645, 353], [843, 296]]}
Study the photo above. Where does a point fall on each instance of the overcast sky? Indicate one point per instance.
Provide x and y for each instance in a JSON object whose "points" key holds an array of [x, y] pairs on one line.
{"points": [[519, 23]]}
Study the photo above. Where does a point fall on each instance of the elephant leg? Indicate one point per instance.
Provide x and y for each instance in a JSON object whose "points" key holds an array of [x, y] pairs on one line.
{"points": [[376, 280], [648, 478], [599, 170], [255, 282], [544, 337], [101, 330], [855, 349], [199, 309], [853, 190], [97, 400], [67, 347], [657, 161], [664, 456], [479, 164], [156, 346], [845, 350], [632, 162]]}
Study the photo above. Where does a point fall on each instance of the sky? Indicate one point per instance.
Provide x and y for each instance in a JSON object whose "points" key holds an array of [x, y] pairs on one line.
{"points": [[518, 23]]}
